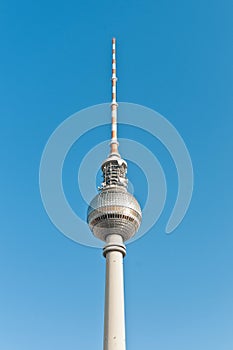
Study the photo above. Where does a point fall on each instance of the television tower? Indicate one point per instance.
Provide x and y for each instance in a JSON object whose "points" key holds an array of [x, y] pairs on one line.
{"points": [[114, 216]]}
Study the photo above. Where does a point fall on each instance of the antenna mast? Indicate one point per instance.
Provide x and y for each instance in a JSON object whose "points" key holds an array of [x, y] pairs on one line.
{"points": [[114, 105]]}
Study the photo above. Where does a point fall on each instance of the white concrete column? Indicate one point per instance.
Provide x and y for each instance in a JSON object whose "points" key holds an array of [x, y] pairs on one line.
{"points": [[114, 318]]}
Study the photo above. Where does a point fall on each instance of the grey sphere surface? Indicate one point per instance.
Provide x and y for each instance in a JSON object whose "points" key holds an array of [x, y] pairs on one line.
{"points": [[114, 211]]}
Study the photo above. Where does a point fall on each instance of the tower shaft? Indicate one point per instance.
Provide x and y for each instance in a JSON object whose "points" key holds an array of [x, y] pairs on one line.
{"points": [[114, 318]]}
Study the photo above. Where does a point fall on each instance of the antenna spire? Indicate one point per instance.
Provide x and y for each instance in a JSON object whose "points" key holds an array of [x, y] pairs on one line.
{"points": [[114, 105]]}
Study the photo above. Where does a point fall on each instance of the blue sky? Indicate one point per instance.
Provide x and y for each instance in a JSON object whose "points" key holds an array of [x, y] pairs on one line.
{"points": [[174, 57]]}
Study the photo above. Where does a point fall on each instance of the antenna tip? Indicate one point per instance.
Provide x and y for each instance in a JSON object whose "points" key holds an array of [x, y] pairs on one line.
{"points": [[113, 40]]}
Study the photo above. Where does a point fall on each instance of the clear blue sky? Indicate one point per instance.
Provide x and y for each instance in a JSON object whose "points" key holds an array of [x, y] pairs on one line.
{"points": [[173, 56]]}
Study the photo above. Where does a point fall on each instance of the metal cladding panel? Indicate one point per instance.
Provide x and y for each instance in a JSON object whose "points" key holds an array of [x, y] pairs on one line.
{"points": [[114, 197], [114, 211]]}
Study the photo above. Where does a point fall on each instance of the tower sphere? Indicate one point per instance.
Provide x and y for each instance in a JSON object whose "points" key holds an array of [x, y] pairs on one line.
{"points": [[114, 211]]}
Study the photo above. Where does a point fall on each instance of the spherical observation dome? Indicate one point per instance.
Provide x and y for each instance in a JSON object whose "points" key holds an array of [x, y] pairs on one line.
{"points": [[114, 211]]}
